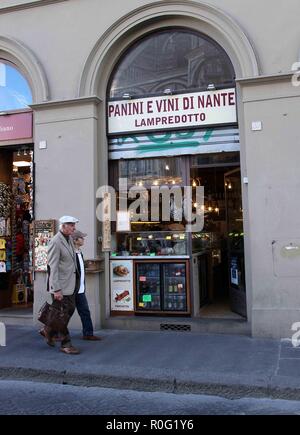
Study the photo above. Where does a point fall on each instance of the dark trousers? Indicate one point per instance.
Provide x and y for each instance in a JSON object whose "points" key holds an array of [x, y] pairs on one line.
{"points": [[69, 306], [84, 313]]}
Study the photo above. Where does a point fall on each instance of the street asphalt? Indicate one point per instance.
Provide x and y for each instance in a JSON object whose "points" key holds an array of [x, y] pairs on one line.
{"points": [[229, 366]]}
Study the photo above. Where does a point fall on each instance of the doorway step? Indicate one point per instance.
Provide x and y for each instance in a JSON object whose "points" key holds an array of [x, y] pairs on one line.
{"points": [[17, 316], [213, 326]]}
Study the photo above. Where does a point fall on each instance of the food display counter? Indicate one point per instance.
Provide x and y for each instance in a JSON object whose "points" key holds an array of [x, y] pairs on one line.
{"points": [[150, 273]]}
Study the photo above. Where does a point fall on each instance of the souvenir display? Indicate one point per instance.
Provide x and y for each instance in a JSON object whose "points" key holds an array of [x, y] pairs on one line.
{"points": [[16, 214], [43, 233], [5, 200]]}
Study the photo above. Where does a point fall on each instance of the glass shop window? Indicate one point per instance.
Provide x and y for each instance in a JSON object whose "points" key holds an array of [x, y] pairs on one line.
{"points": [[177, 59], [152, 172], [15, 93]]}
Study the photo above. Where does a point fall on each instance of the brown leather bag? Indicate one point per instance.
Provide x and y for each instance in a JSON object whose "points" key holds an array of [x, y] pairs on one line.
{"points": [[54, 317]]}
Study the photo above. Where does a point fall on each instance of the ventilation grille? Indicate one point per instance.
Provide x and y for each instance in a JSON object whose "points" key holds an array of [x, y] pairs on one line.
{"points": [[174, 327]]}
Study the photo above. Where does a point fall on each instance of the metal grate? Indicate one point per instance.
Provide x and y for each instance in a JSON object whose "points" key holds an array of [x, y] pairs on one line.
{"points": [[174, 327]]}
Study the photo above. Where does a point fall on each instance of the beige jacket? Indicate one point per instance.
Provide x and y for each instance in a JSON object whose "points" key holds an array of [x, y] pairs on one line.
{"points": [[61, 265]]}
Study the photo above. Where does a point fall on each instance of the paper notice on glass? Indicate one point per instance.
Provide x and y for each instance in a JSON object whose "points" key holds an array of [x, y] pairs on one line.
{"points": [[147, 298], [123, 221]]}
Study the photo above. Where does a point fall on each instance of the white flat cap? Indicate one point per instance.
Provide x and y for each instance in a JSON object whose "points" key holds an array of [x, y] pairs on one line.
{"points": [[68, 220]]}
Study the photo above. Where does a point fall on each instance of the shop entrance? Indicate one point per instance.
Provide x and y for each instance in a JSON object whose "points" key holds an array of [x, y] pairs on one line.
{"points": [[218, 251], [16, 214]]}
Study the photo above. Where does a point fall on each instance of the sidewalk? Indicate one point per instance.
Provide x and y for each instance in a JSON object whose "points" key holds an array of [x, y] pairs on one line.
{"points": [[185, 362]]}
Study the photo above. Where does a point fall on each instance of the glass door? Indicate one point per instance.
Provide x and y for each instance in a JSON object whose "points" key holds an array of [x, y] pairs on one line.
{"points": [[175, 288], [148, 288], [235, 237]]}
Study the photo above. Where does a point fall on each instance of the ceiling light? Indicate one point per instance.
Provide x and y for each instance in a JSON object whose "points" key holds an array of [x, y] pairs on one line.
{"points": [[168, 91], [21, 164], [211, 87], [126, 96]]}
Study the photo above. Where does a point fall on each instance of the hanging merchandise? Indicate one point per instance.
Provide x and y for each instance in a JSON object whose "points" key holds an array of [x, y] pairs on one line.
{"points": [[2, 227], [2, 243], [2, 267], [8, 227], [5, 200], [16, 214]]}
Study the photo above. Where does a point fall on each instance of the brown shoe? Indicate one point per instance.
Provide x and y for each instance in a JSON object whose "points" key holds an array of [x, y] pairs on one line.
{"points": [[91, 338], [70, 350], [49, 340], [55, 338]]}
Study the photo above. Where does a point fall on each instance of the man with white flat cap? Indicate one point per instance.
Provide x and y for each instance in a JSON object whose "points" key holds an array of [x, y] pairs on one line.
{"points": [[62, 279]]}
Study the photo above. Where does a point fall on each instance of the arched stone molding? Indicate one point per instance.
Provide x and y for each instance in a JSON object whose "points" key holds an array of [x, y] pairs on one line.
{"points": [[198, 16], [27, 63]]}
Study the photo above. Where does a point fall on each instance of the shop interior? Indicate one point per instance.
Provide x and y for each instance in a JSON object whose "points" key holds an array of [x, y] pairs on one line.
{"points": [[149, 237], [16, 215], [216, 253]]}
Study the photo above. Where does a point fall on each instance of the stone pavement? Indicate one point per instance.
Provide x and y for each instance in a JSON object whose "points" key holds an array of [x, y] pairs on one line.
{"points": [[179, 362]]}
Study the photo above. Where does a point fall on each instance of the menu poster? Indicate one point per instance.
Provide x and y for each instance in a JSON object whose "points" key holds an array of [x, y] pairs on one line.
{"points": [[43, 232], [121, 285], [123, 221]]}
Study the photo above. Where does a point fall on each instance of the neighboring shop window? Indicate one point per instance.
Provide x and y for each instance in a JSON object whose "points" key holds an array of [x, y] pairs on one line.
{"points": [[16, 214], [15, 92], [176, 59]]}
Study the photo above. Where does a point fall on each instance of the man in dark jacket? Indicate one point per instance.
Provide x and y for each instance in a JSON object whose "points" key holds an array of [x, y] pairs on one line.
{"points": [[80, 298]]}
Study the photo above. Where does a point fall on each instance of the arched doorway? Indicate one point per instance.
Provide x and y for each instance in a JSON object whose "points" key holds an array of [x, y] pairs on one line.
{"points": [[102, 60], [172, 122]]}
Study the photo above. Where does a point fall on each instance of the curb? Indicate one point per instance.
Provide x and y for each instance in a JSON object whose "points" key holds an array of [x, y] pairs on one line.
{"points": [[169, 385]]}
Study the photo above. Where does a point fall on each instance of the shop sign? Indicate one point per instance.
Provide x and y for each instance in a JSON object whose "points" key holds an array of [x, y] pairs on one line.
{"points": [[121, 285], [173, 112], [16, 126]]}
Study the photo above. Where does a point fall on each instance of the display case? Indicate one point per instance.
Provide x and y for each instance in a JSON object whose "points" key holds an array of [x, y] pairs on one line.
{"points": [[162, 287], [175, 287], [150, 244], [148, 286]]}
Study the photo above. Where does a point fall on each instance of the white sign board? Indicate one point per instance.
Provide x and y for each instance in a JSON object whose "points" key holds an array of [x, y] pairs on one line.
{"points": [[185, 110], [121, 285], [123, 221]]}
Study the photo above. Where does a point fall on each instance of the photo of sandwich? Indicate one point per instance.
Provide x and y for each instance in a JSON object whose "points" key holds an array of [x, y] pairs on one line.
{"points": [[120, 270], [121, 296]]}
